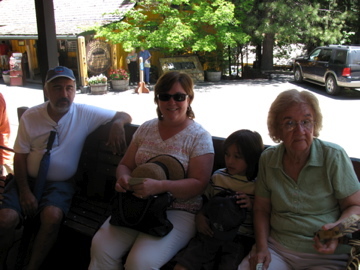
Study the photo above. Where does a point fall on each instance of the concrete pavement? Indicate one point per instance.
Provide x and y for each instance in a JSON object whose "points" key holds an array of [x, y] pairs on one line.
{"points": [[221, 107]]}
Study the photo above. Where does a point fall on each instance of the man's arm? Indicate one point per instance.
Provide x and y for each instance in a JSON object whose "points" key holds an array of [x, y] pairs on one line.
{"points": [[117, 139]]}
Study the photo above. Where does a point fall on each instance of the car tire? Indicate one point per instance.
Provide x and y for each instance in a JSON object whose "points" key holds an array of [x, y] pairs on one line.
{"points": [[297, 75], [331, 86]]}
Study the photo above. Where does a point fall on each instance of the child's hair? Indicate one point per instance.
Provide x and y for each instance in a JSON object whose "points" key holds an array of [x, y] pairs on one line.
{"points": [[250, 145]]}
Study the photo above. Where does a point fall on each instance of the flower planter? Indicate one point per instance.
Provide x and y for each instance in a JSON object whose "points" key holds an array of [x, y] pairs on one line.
{"points": [[6, 78], [213, 76], [120, 85], [99, 89]]}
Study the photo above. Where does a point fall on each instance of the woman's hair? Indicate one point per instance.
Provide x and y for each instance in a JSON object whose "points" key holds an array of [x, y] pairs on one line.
{"points": [[250, 145], [284, 101], [166, 81]]}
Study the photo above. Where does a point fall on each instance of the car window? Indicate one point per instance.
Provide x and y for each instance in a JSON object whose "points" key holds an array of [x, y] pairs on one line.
{"points": [[355, 57], [340, 57], [324, 55], [314, 54]]}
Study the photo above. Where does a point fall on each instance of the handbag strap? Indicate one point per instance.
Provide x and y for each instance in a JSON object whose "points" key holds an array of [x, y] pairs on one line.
{"points": [[149, 200], [50, 141]]}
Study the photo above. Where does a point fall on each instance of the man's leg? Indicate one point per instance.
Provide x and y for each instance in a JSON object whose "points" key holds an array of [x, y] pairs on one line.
{"points": [[9, 219], [51, 218]]}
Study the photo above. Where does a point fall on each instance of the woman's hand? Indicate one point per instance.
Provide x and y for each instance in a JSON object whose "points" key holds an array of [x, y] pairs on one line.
{"points": [[122, 184], [259, 256], [202, 224], [244, 200], [147, 187], [326, 247]]}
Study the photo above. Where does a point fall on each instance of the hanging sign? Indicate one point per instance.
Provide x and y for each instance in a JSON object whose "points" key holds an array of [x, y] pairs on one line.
{"points": [[98, 56]]}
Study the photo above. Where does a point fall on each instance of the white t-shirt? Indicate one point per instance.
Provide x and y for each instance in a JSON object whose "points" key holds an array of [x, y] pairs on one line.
{"points": [[71, 132]]}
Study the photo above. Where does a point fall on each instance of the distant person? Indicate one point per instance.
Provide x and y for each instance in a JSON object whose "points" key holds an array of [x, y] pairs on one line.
{"points": [[225, 230], [145, 54], [132, 61], [304, 184], [26, 70], [72, 123], [174, 132], [4, 55], [6, 157]]}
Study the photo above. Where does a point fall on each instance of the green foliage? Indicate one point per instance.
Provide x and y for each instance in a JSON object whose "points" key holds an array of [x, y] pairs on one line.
{"points": [[301, 21], [210, 28], [174, 26]]}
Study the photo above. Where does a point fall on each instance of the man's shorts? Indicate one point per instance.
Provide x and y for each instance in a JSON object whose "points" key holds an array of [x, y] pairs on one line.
{"points": [[56, 193]]}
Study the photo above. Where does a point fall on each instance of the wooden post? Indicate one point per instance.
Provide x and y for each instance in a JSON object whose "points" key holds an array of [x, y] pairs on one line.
{"points": [[82, 61], [30, 61], [114, 61], [141, 87]]}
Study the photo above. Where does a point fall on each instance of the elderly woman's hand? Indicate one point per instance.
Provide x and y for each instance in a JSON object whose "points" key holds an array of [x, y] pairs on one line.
{"points": [[259, 256], [326, 247]]}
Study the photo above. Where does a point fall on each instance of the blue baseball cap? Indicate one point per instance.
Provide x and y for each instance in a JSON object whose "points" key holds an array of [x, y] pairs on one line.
{"points": [[59, 72]]}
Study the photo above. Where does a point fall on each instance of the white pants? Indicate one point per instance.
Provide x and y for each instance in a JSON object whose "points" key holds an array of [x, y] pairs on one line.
{"points": [[285, 259], [111, 243]]}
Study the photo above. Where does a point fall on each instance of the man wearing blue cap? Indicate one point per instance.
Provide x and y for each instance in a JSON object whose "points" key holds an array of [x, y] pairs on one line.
{"points": [[72, 123]]}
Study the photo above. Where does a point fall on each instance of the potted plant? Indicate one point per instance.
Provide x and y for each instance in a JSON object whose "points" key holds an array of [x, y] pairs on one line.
{"points": [[6, 76], [98, 84], [119, 79]]}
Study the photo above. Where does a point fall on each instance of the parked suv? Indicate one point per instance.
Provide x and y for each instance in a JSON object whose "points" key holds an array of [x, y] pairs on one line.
{"points": [[334, 66]]}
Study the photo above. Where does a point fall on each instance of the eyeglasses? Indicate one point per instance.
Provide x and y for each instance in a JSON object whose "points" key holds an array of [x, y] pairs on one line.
{"points": [[291, 124], [177, 97]]}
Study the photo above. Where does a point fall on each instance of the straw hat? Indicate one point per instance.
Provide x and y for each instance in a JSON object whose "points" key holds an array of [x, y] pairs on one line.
{"points": [[160, 167]]}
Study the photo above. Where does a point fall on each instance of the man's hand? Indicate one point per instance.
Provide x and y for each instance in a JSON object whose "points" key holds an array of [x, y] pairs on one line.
{"points": [[28, 203], [117, 138]]}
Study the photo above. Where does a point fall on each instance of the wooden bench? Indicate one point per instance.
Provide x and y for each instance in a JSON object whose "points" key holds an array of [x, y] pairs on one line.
{"points": [[95, 180]]}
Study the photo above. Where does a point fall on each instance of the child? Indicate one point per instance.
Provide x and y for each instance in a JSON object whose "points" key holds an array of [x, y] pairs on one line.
{"points": [[215, 238]]}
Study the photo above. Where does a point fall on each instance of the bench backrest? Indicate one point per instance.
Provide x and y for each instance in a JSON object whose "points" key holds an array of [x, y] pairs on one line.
{"points": [[97, 160]]}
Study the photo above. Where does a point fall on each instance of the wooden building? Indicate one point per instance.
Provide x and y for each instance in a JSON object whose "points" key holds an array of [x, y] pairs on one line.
{"points": [[18, 29]]}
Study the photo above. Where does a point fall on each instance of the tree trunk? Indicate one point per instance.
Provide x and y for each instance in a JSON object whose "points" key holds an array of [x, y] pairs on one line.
{"points": [[267, 60]]}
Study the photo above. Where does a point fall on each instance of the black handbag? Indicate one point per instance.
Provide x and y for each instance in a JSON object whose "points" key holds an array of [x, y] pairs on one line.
{"points": [[144, 215]]}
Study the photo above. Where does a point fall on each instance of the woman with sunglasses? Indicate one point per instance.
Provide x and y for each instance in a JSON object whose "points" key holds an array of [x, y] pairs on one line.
{"points": [[174, 132]]}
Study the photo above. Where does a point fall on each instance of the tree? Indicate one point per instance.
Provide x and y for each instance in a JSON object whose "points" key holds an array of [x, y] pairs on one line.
{"points": [[302, 21], [177, 26]]}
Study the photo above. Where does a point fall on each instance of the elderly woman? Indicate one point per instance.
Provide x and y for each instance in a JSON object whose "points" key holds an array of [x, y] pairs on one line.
{"points": [[304, 184], [174, 133]]}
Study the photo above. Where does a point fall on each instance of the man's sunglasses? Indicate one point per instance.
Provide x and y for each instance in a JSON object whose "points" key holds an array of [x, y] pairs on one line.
{"points": [[176, 97]]}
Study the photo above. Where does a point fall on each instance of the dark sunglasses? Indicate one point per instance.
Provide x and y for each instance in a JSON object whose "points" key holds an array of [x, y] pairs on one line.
{"points": [[176, 97]]}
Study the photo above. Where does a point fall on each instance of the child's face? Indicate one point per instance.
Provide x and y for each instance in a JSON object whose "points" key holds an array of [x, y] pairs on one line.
{"points": [[235, 162]]}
